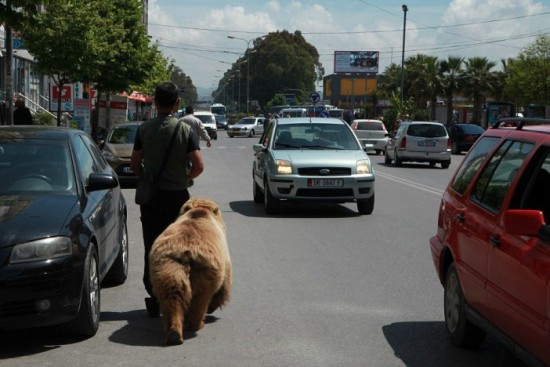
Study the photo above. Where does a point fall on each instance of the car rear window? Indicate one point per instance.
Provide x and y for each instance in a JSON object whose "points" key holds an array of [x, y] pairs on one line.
{"points": [[427, 130], [472, 129], [370, 125]]}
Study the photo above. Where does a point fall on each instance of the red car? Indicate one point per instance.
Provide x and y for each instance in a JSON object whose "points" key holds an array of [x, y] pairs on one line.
{"points": [[492, 246]]}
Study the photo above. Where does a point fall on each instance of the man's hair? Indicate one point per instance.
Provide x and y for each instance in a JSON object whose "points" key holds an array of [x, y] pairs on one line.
{"points": [[166, 94], [189, 109]]}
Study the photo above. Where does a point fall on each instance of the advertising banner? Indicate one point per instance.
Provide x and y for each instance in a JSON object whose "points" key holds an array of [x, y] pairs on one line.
{"points": [[66, 96], [356, 61]]}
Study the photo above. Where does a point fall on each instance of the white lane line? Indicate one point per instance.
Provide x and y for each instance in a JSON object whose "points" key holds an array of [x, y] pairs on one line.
{"points": [[416, 185]]}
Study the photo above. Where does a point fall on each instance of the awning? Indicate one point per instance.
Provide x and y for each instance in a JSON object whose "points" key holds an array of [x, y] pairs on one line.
{"points": [[137, 96]]}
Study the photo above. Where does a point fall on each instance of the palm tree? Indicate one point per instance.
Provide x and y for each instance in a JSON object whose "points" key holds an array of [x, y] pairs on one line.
{"points": [[423, 80], [478, 81], [450, 71]]}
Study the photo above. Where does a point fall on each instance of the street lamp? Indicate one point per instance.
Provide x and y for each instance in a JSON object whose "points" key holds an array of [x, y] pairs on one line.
{"points": [[405, 9], [247, 69]]}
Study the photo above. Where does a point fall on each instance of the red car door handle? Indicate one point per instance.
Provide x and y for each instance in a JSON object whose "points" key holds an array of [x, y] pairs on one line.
{"points": [[460, 217], [495, 241]]}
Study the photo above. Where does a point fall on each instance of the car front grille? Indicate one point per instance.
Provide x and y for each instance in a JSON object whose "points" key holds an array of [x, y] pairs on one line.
{"points": [[316, 171]]}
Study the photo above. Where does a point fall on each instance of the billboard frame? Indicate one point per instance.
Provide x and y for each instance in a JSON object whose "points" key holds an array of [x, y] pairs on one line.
{"points": [[358, 62]]}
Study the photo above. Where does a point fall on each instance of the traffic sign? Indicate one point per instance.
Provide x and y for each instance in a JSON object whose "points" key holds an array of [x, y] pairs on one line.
{"points": [[314, 97]]}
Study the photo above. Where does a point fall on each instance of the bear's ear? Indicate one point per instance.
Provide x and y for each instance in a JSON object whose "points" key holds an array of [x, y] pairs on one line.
{"points": [[216, 210]]}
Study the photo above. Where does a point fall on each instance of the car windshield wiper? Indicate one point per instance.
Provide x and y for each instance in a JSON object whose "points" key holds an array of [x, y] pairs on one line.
{"points": [[287, 145], [322, 147]]}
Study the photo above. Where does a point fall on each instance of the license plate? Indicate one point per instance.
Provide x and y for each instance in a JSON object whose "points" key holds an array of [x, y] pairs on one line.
{"points": [[127, 170], [426, 143], [325, 182]]}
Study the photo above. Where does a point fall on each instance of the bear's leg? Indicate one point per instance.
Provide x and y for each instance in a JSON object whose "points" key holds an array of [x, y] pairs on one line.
{"points": [[221, 297]]}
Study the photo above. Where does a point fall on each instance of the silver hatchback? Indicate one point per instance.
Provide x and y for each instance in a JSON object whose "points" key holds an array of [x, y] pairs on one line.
{"points": [[419, 141], [305, 159]]}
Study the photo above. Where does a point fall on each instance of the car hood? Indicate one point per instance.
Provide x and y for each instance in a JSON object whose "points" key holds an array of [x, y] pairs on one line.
{"points": [[26, 218], [240, 126], [324, 157], [121, 150]]}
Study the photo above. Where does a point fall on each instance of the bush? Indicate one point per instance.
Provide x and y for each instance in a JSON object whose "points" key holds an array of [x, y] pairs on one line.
{"points": [[43, 118]]}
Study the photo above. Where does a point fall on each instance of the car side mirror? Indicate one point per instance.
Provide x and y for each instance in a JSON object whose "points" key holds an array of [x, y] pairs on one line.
{"points": [[523, 222]]}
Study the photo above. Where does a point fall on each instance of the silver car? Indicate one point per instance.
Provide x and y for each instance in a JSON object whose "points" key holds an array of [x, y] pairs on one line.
{"points": [[419, 141], [311, 160], [371, 132], [247, 126], [117, 149]]}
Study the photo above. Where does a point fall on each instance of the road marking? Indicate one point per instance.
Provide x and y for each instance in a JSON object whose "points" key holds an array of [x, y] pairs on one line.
{"points": [[416, 185]]}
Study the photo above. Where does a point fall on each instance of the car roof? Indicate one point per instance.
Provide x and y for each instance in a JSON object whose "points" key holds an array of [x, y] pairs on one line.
{"points": [[203, 113], [367, 120], [37, 132], [423, 122], [305, 120]]}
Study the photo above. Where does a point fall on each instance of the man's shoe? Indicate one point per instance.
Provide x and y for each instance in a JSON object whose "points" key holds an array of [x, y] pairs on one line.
{"points": [[152, 306]]}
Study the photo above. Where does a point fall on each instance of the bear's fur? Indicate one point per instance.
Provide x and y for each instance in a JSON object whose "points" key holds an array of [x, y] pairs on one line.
{"points": [[190, 268]]}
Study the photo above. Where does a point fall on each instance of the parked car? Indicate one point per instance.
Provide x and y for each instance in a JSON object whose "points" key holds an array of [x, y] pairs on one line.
{"points": [[371, 132], [247, 126], [117, 149], [221, 122], [419, 141], [491, 250], [311, 160], [209, 122], [463, 136], [293, 112], [62, 229]]}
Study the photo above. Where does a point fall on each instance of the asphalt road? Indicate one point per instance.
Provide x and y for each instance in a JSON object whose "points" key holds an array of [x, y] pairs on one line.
{"points": [[316, 285]]}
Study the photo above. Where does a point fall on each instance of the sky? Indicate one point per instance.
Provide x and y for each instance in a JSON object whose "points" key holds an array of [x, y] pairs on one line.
{"points": [[194, 33]]}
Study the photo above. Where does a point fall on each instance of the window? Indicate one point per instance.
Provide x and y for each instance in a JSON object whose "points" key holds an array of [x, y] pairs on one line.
{"points": [[493, 183], [85, 160], [471, 164]]}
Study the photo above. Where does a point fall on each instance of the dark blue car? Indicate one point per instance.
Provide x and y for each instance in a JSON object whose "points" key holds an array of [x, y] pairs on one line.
{"points": [[62, 229]]}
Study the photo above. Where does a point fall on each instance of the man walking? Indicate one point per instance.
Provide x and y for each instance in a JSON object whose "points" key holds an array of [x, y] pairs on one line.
{"points": [[196, 125]]}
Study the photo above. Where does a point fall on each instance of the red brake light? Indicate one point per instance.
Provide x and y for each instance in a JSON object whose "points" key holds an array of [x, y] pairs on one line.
{"points": [[403, 143], [469, 138], [448, 143]]}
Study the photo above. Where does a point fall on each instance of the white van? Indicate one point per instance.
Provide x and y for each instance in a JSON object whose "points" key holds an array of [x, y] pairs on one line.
{"points": [[293, 112]]}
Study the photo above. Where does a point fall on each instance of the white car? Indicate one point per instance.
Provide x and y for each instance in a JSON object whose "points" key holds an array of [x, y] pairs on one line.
{"points": [[209, 122], [371, 132], [419, 141], [247, 126], [315, 159]]}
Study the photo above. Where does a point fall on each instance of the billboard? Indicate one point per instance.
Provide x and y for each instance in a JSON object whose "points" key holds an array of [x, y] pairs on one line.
{"points": [[356, 61]]}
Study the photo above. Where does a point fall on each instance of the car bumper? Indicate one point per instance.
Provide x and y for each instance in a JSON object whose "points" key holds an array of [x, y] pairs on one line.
{"points": [[378, 144], [405, 155], [26, 290], [296, 189], [436, 247], [238, 133]]}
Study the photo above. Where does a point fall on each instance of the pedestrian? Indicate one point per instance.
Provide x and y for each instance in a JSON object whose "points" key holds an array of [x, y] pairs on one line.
{"points": [[196, 124], [183, 162], [22, 115]]}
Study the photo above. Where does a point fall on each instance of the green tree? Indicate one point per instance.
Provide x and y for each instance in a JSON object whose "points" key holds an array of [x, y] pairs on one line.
{"points": [[188, 91], [450, 71], [478, 81], [529, 74], [423, 81], [63, 42]]}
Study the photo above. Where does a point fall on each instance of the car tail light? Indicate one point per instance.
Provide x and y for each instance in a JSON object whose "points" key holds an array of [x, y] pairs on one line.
{"points": [[448, 143], [403, 143], [354, 126], [469, 138]]}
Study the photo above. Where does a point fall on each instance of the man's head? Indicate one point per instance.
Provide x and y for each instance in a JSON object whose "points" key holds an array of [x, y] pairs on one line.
{"points": [[166, 95], [189, 110]]}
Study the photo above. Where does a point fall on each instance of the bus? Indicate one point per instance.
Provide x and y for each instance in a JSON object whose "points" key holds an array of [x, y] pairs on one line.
{"points": [[218, 109]]}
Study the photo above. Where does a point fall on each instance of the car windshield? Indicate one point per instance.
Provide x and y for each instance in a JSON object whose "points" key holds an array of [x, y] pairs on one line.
{"points": [[370, 125], [471, 129], [33, 165], [314, 136], [206, 119], [247, 121], [427, 130], [123, 135]]}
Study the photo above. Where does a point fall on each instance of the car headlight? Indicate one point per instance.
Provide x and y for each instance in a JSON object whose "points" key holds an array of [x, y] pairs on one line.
{"points": [[47, 248], [283, 167], [364, 166]]}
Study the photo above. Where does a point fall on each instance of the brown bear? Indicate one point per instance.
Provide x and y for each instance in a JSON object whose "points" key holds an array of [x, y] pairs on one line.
{"points": [[190, 268]]}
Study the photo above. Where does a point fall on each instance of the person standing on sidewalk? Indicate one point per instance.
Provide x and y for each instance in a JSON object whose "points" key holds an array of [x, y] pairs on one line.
{"points": [[196, 124], [22, 115], [183, 163]]}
